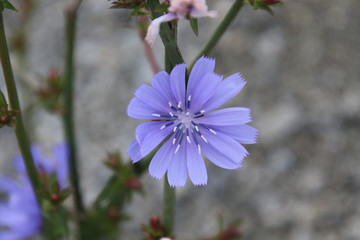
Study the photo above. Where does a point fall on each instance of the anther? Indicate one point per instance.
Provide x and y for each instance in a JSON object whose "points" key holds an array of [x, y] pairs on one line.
{"points": [[202, 136], [199, 148], [187, 135], [177, 148], [188, 103], [212, 131], [171, 114], [166, 125], [156, 115], [176, 127], [172, 107]]}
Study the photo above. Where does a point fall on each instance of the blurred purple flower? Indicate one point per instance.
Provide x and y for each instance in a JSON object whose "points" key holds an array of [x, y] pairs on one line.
{"points": [[20, 216], [59, 164], [179, 9], [186, 116]]}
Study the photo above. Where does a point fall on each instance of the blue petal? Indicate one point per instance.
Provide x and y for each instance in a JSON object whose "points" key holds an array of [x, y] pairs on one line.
{"points": [[177, 82], [161, 161], [200, 69], [41, 162], [204, 90], [11, 235], [196, 165], [19, 165], [8, 185], [134, 151], [161, 83], [242, 133], [154, 138], [226, 146], [9, 216], [228, 88], [177, 172], [139, 110], [226, 117], [145, 128], [217, 157], [61, 157], [150, 97]]}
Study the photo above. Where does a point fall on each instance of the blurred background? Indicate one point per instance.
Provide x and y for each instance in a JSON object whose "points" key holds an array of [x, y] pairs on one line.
{"points": [[300, 182]]}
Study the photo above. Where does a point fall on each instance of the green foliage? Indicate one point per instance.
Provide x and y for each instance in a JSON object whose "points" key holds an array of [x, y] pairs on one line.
{"points": [[194, 25], [7, 117], [265, 5], [2, 100], [139, 8], [6, 4]]}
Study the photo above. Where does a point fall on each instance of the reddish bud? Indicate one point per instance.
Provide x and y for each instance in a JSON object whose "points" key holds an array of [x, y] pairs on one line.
{"points": [[113, 162], [271, 2], [113, 214], [4, 118], [230, 233], [52, 74], [55, 197], [133, 183], [155, 223]]}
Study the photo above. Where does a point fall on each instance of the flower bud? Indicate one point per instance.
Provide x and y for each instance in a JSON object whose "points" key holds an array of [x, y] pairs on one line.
{"points": [[133, 183]]}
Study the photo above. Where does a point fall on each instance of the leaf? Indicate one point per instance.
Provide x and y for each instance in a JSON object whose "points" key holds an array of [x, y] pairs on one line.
{"points": [[194, 25], [268, 9], [2, 100], [8, 5]]}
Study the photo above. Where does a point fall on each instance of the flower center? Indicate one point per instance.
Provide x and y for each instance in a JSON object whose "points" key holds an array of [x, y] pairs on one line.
{"points": [[184, 122]]}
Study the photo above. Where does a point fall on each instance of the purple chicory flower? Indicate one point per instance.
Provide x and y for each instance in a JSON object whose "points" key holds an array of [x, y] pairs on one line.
{"points": [[179, 9], [186, 116], [59, 164], [20, 216]]}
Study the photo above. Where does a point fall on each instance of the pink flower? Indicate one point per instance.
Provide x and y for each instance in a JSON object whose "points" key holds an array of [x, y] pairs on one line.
{"points": [[179, 9]]}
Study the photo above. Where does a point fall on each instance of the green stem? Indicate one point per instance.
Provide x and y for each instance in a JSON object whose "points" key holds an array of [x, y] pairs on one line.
{"points": [[70, 28], [21, 135], [168, 208], [220, 30]]}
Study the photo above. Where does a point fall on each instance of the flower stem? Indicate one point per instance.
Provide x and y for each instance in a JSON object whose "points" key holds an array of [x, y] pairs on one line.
{"points": [[70, 28], [21, 135], [168, 208], [220, 30]]}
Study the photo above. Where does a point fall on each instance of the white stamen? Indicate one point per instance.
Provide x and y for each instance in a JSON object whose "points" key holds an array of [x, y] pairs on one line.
{"points": [[199, 148], [156, 115], [179, 104], [202, 111], [175, 129], [187, 113], [196, 128], [177, 148], [170, 104], [188, 139], [171, 114], [189, 98], [162, 127], [212, 131], [202, 136], [174, 140]]}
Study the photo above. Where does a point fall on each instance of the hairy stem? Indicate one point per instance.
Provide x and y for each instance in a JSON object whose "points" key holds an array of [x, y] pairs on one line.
{"points": [[21, 135], [68, 115], [220, 30]]}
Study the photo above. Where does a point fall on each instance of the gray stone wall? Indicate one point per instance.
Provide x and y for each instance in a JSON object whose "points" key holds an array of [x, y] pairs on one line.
{"points": [[300, 182]]}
